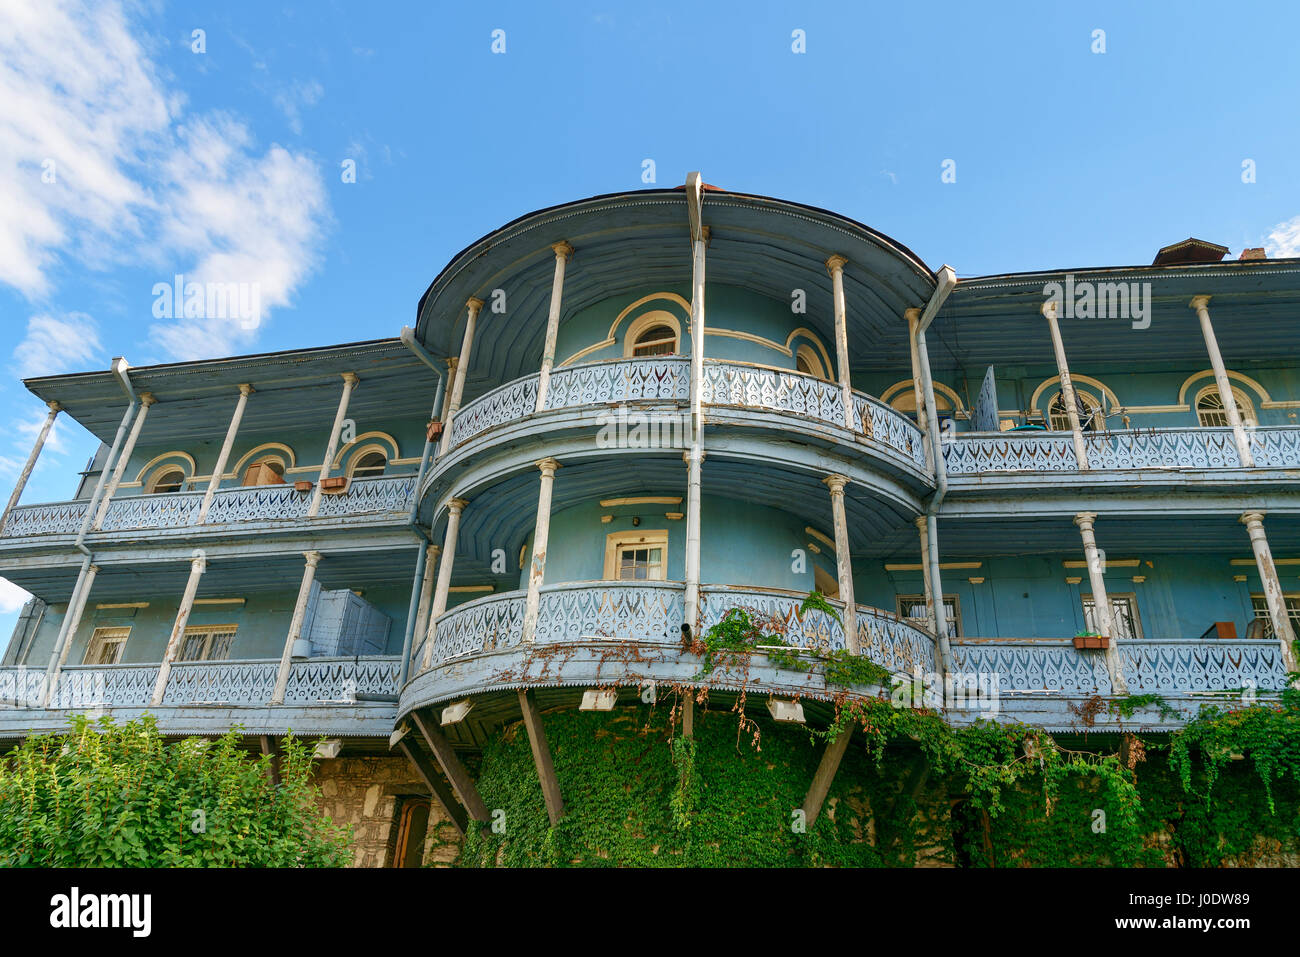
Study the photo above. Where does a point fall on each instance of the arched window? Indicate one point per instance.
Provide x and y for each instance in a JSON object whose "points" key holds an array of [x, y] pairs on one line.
{"points": [[1089, 413], [169, 478], [265, 471], [369, 464], [656, 333], [808, 362], [1211, 413]]}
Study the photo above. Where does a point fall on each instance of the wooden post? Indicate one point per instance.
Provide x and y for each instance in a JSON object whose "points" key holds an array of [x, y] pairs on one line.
{"points": [[434, 782], [350, 381], [214, 483], [694, 455], [147, 401], [821, 782], [930, 599], [462, 367], [688, 714], [457, 776], [843, 562], [198, 565], [541, 757], [272, 766], [835, 266], [562, 253], [913, 317], [1067, 387], [454, 508], [1101, 601], [26, 474], [1273, 596], [1201, 305], [76, 607], [541, 536], [427, 579], [295, 627]]}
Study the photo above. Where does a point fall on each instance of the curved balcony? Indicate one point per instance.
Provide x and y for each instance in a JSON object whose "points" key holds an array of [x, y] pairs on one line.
{"points": [[666, 379], [1183, 448], [629, 633]]}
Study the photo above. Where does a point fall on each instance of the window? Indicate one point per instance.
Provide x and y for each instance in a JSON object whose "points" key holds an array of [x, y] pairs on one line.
{"points": [[636, 556], [1090, 418], [207, 643], [169, 478], [1123, 609], [369, 464], [412, 827], [655, 333], [905, 402], [265, 472], [825, 582], [912, 607], [105, 646], [655, 341], [1259, 605], [1211, 413], [808, 362]]}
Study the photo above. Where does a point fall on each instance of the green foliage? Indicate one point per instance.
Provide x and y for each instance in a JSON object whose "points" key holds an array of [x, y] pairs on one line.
{"points": [[849, 670], [1126, 706], [816, 601], [108, 795], [1267, 734]]}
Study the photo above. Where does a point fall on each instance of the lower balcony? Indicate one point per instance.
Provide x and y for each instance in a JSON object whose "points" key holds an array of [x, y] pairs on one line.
{"points": [[335, 696]]}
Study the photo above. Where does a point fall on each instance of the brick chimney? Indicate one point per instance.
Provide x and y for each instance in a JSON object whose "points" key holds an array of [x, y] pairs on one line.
{"points": [[1257, 253]]}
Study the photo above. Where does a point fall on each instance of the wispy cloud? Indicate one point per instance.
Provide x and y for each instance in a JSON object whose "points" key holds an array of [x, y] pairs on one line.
{"points": [[57, 344], [1283, 242], [12, 598], [292, 100]]}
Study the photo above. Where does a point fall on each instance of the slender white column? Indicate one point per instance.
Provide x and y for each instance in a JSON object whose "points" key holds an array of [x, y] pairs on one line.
{"points": [[913, 316], [843, 563], [835, 266], [462, 367], [541, 538], [930, 600], [245, 390], [295, 626], [76, 608], [53, 414], [694, 456], [454, 508], [350, 381], [198, 565], [562, 253], [1067, 387], [1201, 305], [147, 401], [1277, 612], [1101, 601], [431, 553]]}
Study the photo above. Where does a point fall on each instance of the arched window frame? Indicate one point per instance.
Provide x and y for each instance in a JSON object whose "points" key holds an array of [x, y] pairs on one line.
{"points": [[1211, 392], [806, 354], [1060, 421], [647, 321], [151, 485]]}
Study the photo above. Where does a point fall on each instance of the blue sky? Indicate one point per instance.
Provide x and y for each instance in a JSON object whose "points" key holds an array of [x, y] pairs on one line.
{"points": [[227, 164]]}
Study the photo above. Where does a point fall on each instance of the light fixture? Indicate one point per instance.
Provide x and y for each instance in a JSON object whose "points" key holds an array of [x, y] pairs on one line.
{"points": [[783, 710], [455, 713], [328, 748], [598, 700]]}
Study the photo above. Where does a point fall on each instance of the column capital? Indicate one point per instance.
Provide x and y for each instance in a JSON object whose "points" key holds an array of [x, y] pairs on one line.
{"points": [[548, 466], [686, 456], [199, 560], [246, 388], [147, 399], [54, 406], [90, 570], [474, 304], [433, 551], [1085, 519], [1252, 518], [920, 523], [313, 558], [836, 264], [912, 315], [457, 505], [351, 378], [452, 362], [562, 250], [1199, 302], [1049, 309], [836, 482]]}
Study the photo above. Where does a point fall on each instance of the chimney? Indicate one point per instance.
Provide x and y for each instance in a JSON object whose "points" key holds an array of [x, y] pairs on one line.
{"points": [[1257, 253]]}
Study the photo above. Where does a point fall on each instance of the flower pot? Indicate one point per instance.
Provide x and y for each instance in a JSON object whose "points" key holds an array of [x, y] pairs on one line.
{"points": [[303, 486], [433, 430], [338, 484], [1091, 642]]}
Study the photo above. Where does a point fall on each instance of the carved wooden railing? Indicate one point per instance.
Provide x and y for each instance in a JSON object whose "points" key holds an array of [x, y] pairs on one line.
{"points": [[1189, 448], [390, 494], [667, 379]]}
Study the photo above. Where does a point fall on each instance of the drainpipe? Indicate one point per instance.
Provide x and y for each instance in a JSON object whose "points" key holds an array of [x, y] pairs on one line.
{"points": [[947, 281]]}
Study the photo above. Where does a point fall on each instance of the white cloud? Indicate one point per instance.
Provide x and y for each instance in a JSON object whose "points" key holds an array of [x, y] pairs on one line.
{"points": [[135, 180], [1284, 240], [55, 344], [292, 100], [12, 598]]}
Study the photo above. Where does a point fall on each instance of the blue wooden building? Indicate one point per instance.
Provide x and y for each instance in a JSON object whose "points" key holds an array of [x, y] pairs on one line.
{"points": [[615, 420]]}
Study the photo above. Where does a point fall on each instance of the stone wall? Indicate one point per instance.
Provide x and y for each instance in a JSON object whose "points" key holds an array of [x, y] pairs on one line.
{"points": [[367, 793]]}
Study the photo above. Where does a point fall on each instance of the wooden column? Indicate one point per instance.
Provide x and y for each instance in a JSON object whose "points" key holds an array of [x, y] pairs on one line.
{"points": [[1101, 601], [147, 401], [431, 554], [835, 266], [913, 317], [562, 253], [462, 784], [694, 455], [843, 562], [295, 626], [454, 508], [71, 621], [1201, 305], [198, 565], [433, 781], [541, 757], [1067, 387], [26, 473], [1273, 595], [930, 598], [219, 469], [350, 381], [821, 782], [541, 536], [462, 366]]}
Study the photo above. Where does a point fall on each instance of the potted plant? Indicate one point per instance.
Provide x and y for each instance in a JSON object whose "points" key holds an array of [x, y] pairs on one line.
{"points": [[1090, 640]]}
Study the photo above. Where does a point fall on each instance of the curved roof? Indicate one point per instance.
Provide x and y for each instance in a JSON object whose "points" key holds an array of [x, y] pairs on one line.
{"points": [[627, 241]]}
